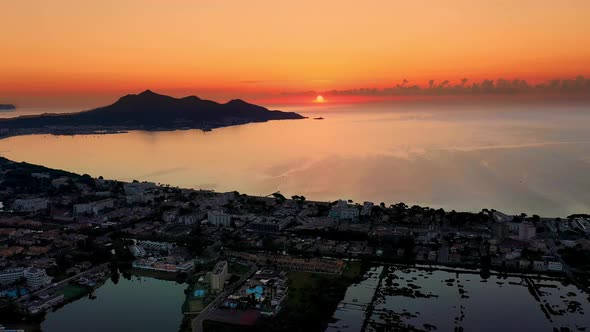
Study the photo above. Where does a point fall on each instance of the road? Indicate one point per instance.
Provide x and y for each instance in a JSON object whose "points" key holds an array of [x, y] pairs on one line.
{"points": [[197, 323]]}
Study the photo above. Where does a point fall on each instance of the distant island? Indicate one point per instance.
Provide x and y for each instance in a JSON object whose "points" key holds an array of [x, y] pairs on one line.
{"points": [[145, 111], [5, 107]]}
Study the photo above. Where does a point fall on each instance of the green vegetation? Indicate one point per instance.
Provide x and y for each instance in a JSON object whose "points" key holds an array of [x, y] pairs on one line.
{"points": [[312, 299], [72, 292], [576, 257], [238, 269], [194, 304]]}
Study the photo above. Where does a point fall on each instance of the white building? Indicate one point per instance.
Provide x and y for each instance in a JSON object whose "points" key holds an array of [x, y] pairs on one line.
{"points": [[9, 276], [219, 275], [554, 266], [189, 219], [367, 209], [94, 207], [82, 208], [270, 224], [137, 251], [31, 204], [98, 206], [219, 218], [341, 211], [137, 188], [526, 231], [36, 278]]}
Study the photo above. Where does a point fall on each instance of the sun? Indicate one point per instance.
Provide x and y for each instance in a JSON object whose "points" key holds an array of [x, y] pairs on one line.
{"points": [[319, 99]]}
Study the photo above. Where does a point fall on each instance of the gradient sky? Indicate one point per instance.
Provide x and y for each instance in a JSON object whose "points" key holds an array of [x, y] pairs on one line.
{"points": [[251, 48]]}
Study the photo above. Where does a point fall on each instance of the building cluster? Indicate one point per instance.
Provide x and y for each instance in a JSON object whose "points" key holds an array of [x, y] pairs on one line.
{"points": [[264, 291], [293, 263], [165, 264], [35, 278], [55, 225]]}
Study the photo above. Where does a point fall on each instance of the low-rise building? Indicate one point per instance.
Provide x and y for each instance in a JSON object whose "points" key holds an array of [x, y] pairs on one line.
{"points": [[153, 246], [45, 302], [367, 209], [271, 225], [165, 264], [526, 231], [342, 211], [35, 277], [218, 218], [31, 204], [554, 265], [136, 188]]}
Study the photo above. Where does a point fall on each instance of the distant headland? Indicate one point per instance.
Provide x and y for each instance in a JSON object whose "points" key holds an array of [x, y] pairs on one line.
{"points": [[7, 107], [145, 111]]}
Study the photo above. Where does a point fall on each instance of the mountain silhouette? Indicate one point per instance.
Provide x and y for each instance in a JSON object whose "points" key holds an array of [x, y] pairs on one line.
{"points": [[7, 107], [150, 110]]}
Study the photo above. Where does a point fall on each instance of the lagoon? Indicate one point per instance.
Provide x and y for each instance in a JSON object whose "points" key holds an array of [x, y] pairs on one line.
{"points": [[135, 304]]}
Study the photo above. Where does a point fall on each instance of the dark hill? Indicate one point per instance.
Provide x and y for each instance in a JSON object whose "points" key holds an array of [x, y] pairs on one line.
{"points": [[7, 107], [149, 110]]}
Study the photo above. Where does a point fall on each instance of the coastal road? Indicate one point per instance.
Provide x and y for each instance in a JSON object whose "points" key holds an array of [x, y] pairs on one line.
{"points": [[197, 323]]}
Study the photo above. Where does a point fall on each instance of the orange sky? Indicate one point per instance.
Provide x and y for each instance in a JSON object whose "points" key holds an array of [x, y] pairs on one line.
{"points": [[256, 47]]}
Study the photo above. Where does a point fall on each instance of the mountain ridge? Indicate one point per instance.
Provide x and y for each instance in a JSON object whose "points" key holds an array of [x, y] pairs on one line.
{"points": [[150, 110]]}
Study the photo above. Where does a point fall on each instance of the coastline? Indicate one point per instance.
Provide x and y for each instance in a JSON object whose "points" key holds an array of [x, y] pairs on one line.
{"points": [[99, 130]]}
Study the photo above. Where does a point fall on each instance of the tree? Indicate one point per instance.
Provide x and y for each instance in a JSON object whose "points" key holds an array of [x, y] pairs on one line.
{"points": [[279, 197]]}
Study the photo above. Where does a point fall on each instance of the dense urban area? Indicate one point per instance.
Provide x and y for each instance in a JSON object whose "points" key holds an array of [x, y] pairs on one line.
{"points": [[266, 263]]}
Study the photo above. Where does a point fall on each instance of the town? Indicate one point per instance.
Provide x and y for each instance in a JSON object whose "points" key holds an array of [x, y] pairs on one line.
{"points": [[62, 235]]}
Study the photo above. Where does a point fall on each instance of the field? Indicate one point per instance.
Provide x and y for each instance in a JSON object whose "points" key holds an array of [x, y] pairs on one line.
{"points": [[194, 304], [312, 299], [237, 268], [74, 291]]}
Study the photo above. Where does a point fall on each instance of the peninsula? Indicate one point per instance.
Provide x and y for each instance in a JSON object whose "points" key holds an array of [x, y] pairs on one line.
{"points": [[145, 111], [7, 107]]}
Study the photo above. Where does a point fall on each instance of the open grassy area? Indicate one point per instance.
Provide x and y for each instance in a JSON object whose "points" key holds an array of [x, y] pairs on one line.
{"points": [[237, 269], [312, 299], [74, 291], [194, 304]]}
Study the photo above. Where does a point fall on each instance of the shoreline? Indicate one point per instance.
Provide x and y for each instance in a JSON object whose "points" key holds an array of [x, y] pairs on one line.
{"points": [[99, 130]]}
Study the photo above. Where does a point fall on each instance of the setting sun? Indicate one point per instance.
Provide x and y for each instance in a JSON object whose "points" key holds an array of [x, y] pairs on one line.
{"points": [[319, 99]]}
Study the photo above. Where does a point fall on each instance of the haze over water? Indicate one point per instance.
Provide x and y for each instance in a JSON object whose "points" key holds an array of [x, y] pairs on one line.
{"points": [[514, 158]]}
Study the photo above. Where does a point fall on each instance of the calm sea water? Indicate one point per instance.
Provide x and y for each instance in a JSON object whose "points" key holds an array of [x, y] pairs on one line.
{"points": [[138, 304], [519, 158]]}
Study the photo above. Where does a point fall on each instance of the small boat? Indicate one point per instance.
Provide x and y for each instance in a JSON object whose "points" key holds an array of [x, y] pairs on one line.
{"points": [[319, 118]]}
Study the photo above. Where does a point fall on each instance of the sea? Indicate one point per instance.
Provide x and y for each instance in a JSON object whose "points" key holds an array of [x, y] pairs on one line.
{"points": [[529, 158]]}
